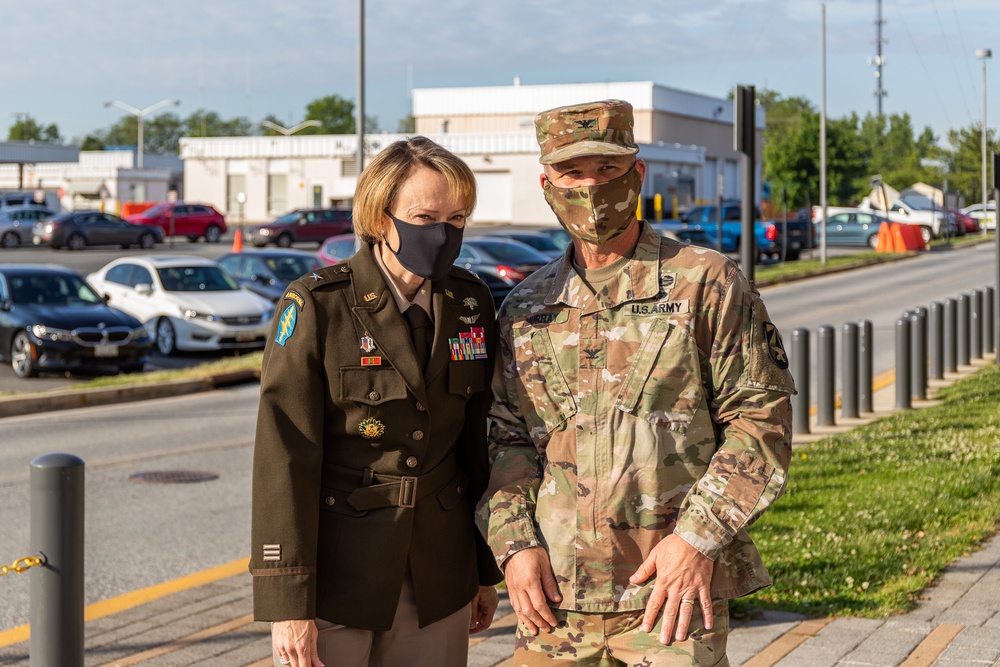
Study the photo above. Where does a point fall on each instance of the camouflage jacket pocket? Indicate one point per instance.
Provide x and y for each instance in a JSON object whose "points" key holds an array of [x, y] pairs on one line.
{"points": [[545, 394], [663, 385]]}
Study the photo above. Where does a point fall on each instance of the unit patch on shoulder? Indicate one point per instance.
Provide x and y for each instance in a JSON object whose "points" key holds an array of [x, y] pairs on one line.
{"points": [[774, 347], [292, 295], [286, 325]]}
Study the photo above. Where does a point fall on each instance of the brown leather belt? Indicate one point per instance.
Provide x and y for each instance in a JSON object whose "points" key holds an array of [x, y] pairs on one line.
{"points": [[372, 490]]}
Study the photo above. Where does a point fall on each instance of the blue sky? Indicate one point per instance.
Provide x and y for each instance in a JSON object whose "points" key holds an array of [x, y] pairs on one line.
{"points": [[64, 58]]}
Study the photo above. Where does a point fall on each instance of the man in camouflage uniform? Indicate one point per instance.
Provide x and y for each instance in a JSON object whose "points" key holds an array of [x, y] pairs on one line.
{"points": [[641, 423]]}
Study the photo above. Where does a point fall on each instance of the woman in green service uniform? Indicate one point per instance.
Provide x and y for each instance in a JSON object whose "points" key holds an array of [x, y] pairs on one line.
{"points": [[371, 435]]}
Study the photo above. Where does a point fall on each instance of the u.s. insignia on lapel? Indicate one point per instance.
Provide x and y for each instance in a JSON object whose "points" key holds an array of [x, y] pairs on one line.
{"points": [[371, 428], [367, 343], [371, 296], [470, 302]]}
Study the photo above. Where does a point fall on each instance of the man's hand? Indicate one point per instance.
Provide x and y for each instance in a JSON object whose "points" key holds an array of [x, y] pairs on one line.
{"points": [[484, 605], [295, 641], [683, 580], [530, 584]]}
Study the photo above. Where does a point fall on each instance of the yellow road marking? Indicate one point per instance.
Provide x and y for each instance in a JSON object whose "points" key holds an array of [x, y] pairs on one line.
{"points": [[183, 642], [879, 382], [135, 598], [787, 643], [932, 646]]}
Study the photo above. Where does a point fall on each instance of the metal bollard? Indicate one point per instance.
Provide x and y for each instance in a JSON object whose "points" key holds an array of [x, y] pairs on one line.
{"points": [[849, 371], [825, 379], [951, 335], [866, 397], [918, 358], [989, 342], [903, 364], [800, 372], [963, 330], [935, 340], [976, 324], [56, 612]]}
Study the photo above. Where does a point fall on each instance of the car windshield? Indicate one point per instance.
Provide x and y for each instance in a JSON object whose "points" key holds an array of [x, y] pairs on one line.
{"points": [[511, 251], [196, 279], [290, 268], [287, 219], [159, 209], [52, 289], [537, 241]]}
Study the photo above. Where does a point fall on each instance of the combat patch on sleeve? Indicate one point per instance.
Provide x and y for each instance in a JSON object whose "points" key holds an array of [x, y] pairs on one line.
{"points": [[774, 346], [292, 295], [286, 325]]}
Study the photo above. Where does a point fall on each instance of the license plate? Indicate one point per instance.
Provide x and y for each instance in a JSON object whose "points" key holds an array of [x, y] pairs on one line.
{"points": [[106, 351], [242, 336], [795, 245]]}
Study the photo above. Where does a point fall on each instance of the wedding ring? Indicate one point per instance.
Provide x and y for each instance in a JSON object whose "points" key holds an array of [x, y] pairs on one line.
{"points": [[284, 661], [686, 601]]}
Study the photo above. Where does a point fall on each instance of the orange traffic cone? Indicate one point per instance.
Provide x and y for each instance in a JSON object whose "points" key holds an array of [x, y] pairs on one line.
{"points": [[884, 238], [238, 241]]}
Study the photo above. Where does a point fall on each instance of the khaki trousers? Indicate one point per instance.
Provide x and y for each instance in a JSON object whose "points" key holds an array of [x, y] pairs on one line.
{"points": [[444, 643]]}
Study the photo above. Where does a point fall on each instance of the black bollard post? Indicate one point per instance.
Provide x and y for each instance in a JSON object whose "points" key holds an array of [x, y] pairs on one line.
{"points": [[903, 401], [976, 324], [951, 335], [918, 358], [935, 340], [849, 371], [963, 330], [56, 612], [800, 372], [989, 342], [866, 397], [825, 379]]}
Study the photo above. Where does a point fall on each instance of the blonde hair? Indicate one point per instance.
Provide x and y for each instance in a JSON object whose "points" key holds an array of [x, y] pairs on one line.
{"points": [[379, 183]]}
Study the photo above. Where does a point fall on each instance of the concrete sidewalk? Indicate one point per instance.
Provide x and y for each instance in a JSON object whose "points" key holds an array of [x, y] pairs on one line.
{"points": [[957, 623]]}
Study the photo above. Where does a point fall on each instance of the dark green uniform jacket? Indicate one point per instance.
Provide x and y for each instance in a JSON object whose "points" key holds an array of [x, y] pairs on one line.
{"points": [[362, 461]]}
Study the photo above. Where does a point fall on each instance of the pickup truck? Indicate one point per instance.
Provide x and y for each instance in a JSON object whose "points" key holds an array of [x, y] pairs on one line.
{"points": [[767, 233]]}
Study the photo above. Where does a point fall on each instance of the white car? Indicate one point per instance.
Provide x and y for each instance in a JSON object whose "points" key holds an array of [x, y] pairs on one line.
{"points": [[189, 303], [976, 211]]}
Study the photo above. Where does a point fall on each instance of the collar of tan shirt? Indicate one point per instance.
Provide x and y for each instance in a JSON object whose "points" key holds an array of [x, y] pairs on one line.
{"points": [[422, 298]]}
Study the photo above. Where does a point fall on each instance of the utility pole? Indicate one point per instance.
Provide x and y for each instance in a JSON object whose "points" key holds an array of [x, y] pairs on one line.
{"points": [[879, 60]]}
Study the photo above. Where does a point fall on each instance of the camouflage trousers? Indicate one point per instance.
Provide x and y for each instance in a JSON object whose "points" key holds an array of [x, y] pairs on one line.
{"points": [[611, 640]]}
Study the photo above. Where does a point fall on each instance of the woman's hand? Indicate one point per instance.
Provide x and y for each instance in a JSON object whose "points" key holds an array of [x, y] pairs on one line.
{"points": [[294, 643], [484, 605]]}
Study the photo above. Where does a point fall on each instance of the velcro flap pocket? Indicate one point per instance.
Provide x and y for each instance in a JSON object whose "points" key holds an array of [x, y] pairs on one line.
{"points": [[454, 491], [371, 386]]}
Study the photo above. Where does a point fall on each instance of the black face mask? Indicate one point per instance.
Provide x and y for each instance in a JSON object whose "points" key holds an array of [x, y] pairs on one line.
{"points": [[428, 251]]}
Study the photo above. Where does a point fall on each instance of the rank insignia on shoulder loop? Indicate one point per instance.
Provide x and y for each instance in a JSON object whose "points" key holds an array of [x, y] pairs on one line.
{"points": [[371, 428], [470, 319], [774, 347], [316, 276], [367, 343], [470, 302], [286, 325], [371, 361], [371, 296]]}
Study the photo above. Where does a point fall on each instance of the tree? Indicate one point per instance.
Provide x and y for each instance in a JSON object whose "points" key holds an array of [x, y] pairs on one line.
{"points": [[204, 123], [964, 160], [28, 129], [407, 125], [336, 115], [895, 152]]}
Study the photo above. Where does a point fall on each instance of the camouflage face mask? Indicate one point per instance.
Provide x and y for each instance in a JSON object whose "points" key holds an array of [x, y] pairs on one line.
{"points": [[596, 213]]}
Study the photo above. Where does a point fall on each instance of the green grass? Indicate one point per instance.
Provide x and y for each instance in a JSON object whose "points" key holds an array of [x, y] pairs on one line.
{"points": [[778, 273], [243, 362], [872, 516]]}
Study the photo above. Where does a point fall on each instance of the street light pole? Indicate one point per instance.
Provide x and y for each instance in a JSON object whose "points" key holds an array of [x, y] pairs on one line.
{"points": [[140, 114], [288, 131], [984, 55], [822, 134]]}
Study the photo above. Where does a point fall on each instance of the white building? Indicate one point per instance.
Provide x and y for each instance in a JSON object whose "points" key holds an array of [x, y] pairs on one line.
{"points": [[685, 138]]}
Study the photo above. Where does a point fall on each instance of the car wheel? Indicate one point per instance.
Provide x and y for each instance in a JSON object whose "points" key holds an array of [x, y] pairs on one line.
{"points": [[166, 338], [873, 241], [927, 233], [792, 255], [22, 357], [147, 241], [76, 242], [284, 241], [212, 234], [10, 240]]}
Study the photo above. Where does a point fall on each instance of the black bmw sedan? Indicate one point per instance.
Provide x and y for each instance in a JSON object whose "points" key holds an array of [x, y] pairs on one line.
{"points": [[51, 320]]}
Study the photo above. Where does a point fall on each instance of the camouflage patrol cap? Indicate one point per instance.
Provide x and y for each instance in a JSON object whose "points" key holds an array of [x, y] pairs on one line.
{"points": [[595, 128]]}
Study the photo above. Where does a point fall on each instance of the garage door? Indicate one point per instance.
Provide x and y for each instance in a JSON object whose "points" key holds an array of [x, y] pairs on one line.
{"points": [[495, 197]]}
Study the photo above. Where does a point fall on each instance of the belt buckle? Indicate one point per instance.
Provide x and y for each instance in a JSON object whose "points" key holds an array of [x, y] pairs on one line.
{"points": [[407, 492]]}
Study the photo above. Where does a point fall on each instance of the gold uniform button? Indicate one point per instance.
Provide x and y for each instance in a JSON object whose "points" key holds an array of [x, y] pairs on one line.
{"points": [[420, 407], [418, 435], [374, 395], [411, 462], [330, 500]]}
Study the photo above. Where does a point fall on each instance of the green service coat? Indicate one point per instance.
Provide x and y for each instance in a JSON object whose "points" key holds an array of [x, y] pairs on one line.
{"points": [[363, 463]]}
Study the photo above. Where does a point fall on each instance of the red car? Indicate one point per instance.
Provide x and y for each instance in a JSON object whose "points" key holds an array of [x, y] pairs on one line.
{"points": [[302, 224], [177, 218], [337, 248]]}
